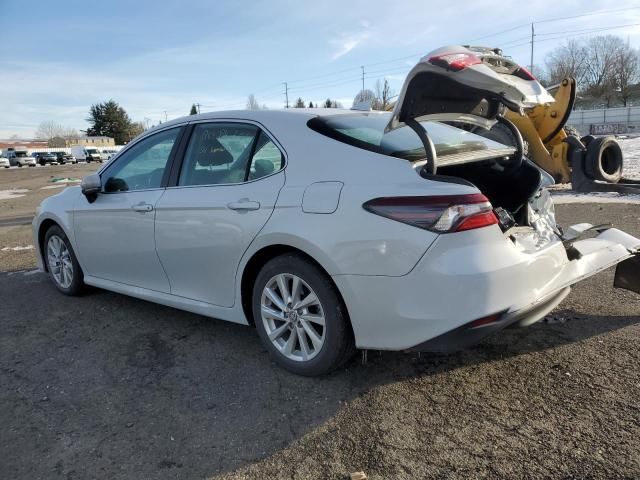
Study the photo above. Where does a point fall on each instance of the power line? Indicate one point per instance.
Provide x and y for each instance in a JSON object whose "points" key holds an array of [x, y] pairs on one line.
{"points": [[585, 33], [556, 19]]}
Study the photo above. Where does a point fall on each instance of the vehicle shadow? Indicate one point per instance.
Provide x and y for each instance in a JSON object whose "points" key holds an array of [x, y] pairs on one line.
{"points": [[192, 397]]}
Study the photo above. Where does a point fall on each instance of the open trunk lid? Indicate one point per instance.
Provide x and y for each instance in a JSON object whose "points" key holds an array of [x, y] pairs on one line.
{"points": [[456, 79]]}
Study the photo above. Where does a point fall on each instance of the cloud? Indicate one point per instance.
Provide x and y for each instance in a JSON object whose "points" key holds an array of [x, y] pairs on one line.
{"points": [[345, 43]]}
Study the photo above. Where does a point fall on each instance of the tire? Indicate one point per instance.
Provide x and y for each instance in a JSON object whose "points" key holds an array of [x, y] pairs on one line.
{"points": [[333, 344], [604, 160], [587, 139], [76, 285], [19, 165]]}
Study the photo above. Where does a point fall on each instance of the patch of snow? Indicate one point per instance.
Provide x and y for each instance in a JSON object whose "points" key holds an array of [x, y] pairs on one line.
{"points": [[560, 198], [631, 150], [49, 187], [12, 193], [16, 249]]}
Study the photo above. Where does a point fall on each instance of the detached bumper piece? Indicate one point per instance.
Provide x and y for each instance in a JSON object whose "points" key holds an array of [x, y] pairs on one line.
{"points": [[628, 274]]}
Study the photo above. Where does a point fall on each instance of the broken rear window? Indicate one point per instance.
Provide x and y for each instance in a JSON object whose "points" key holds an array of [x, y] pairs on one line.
{"points": [[366, 131]]}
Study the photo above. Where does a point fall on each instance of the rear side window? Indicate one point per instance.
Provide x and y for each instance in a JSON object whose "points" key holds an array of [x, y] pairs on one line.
{"points": [[366, 131], [228, 153]]}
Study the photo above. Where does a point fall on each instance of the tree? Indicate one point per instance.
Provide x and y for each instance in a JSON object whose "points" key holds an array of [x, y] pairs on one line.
{"points": [[57, 142], [364, 97], [49, 130], [602, 52], [299, 103], [311, 105], [383, 95], [568, 60], [626, 71], [110, 120], [336, 104], [252, 103], [327, 103], [136, 129], [194, 110]]}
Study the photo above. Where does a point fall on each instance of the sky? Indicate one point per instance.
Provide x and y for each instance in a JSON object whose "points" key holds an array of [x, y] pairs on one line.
{"points": [[157, 58]]}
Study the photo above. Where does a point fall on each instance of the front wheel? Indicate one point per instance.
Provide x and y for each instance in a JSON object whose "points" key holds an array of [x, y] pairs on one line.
{"points": [[300, 316], [64, 269], [19, 164]]}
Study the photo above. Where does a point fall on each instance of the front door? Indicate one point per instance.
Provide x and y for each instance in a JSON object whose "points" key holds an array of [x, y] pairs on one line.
{"points": [[115, 233], [227, 188]]}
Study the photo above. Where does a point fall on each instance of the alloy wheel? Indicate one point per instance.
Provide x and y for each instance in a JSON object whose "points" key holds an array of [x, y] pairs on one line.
{"points": [[293, 317], [59, 260]]}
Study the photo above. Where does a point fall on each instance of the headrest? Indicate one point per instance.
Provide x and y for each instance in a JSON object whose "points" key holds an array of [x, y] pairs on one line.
{"points": [[263, 168], [210, 151]]}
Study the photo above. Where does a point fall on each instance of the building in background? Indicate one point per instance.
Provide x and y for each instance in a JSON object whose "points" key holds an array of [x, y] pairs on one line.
{"points": [[93, 142]]}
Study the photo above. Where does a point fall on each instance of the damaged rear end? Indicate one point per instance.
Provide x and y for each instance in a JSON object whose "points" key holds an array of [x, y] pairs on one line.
{"points": [[500, 258]]}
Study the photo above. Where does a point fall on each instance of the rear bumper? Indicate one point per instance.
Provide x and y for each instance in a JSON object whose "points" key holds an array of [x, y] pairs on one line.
{"points": [[466, 276]]}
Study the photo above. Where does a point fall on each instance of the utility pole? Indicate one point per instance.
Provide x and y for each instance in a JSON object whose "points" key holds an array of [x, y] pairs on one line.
{"points": [[533, 34], [165, 115], [198, 107], [286, 94], [362, 67]]}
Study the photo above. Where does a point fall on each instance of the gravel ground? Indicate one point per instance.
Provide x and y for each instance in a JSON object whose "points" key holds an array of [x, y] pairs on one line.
{"points": [[105, 386]]}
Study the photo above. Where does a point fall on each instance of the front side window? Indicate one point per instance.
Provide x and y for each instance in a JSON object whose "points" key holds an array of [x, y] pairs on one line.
{"points": [[143, 165], [228, 153]]}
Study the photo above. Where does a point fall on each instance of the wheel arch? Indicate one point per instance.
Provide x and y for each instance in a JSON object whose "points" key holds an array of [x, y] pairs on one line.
{"points": [[259, 258]]}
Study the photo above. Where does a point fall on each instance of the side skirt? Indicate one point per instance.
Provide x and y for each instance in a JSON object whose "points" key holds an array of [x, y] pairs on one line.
{"points": [[169, 300]]}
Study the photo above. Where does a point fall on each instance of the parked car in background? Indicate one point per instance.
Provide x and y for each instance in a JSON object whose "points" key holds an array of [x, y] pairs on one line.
{"points": [[64, 157], [86, 154], [45, 158], [359, 245], [106, 155], [4, 162], [20, 157]]}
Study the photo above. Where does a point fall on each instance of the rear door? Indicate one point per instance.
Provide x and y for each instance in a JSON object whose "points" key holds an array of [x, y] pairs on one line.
{"points": [[224, 193]]}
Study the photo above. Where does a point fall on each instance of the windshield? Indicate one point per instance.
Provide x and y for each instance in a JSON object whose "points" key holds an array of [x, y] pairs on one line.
{"points": [[91, 150], [366, 130], [21, 154]]}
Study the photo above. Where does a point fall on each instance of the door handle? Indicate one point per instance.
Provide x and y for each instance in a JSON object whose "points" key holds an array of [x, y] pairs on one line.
{"points": [[244, 204], [142, 207]]}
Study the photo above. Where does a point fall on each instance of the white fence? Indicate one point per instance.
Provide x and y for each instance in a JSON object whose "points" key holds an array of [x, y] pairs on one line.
{"points": [[606, 121]]}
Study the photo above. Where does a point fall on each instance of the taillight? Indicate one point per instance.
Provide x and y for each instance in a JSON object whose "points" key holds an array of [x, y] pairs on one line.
{"points": [[523, 73], [440, 214], [455, 61]]}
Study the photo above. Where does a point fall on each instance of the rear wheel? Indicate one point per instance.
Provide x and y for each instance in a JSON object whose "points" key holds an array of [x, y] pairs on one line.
{"points": [[300, 316], [64, 269]]}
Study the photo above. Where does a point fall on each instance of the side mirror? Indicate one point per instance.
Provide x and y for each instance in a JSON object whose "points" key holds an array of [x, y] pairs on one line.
{"points": [[91, 186]]}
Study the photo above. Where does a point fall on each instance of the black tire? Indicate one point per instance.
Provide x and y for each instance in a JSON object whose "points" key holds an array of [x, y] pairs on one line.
{"points": [[19, 165], [587, 139], [77, 283], [338, 344], [604, 160]]}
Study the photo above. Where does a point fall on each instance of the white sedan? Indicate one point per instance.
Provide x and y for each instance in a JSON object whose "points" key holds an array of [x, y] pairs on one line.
{"points": [[323, 229]]}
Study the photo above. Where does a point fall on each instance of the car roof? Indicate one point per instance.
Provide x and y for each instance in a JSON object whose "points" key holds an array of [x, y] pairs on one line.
{"points": [[303, 114]]}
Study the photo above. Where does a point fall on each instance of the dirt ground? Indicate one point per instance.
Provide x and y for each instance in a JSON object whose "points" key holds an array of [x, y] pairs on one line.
{"points": [[106, 386]]}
